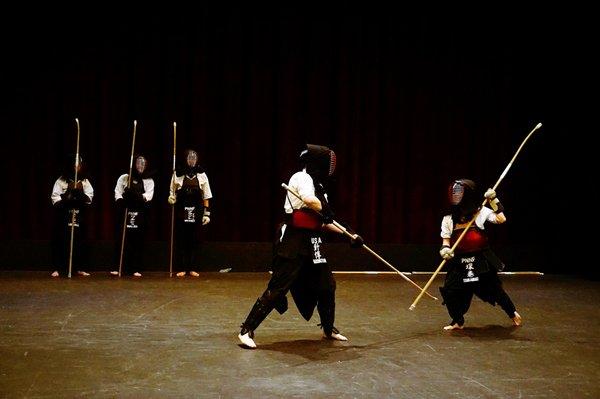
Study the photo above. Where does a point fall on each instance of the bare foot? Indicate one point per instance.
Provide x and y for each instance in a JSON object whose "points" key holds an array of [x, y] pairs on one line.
{"points": [[517, 319], [335, 336]]}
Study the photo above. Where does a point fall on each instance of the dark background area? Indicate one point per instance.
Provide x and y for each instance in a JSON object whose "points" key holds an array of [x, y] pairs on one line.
{"points": [[408, 102]]}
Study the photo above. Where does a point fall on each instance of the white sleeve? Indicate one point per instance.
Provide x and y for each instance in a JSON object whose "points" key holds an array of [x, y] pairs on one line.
{"points": [[205, 186], [447, 227], [148, 189], [175, 180], [305, 185], [60, 187], [302, 184], [485, 215], [88, 189], [120, 186]]}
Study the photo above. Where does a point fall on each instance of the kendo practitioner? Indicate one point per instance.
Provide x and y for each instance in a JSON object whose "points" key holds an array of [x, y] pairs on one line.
{"points": [[473, 268], [190, 193], [69, 200], [136, 199], [299, 263]]}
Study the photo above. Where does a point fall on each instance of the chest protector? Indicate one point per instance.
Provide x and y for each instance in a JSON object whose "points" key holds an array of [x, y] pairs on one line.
{"points": [[137, 185], [134, 211], [190, 200], [474, 240]]}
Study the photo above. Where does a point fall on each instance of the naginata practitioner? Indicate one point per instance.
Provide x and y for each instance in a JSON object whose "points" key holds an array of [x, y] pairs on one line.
{"points": [[136, 199], [69, 199], [299, 263], [474, 268], [190, 192]]}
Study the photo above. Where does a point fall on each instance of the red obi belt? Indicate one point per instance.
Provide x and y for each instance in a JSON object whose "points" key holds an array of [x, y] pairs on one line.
{"points": [[474, 240], [306, 219]]}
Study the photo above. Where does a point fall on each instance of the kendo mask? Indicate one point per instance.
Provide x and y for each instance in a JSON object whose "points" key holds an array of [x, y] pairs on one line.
{"points": [[190, 164], [463, 197], [319, 161], [191, 158], [140, 167], [140, 164]]}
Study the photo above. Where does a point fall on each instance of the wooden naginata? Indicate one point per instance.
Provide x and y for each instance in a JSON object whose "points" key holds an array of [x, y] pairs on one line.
{"points": [[126, 209], [347, 233], [73, 210], [173, 205], [458, 240]]}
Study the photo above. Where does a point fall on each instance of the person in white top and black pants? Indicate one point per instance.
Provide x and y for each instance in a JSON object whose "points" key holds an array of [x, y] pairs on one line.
{"points": [[136, 198], [70, 200], [190, 193], [472, 268], [299, 262]]}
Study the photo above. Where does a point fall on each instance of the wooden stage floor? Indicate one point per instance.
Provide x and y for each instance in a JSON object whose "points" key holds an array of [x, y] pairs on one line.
{"points": [[157, 337]]}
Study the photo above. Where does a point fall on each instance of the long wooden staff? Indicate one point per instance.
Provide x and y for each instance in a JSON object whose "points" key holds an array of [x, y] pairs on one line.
{"points": [[126, 209], [73, 210], [173, 205], [412, 307], [346, 233]]}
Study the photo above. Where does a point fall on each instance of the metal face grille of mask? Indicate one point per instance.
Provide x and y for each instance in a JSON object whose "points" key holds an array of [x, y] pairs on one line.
{"points": [[140, 164], [332, 162], [192, 159], [457, 192]]}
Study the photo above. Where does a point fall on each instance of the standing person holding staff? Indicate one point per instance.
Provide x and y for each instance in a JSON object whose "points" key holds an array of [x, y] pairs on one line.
{"points": [[71, 194], [127, 198], [190, 194], [133, 193]]}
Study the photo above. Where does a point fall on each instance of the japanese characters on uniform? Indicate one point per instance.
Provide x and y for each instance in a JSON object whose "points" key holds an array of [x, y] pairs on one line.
{"points": [[316, 250]]}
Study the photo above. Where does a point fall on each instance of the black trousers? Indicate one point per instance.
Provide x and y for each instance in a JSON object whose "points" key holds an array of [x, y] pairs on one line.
{"points": [[133, 250], [311, 285], [188, 245], [458, 294], [61, 241]]}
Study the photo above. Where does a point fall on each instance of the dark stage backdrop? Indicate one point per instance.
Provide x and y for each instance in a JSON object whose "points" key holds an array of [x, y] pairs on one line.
{"points": [[408, 102]]}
